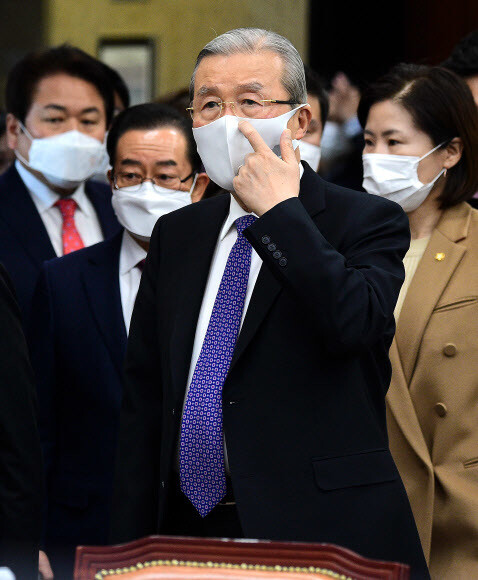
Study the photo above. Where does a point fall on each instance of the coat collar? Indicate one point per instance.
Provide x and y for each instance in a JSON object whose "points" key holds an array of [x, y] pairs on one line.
{"points": [[19, 212], [442, 256]]}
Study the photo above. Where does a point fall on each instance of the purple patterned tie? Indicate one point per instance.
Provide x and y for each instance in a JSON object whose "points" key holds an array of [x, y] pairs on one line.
{"points": [[201, 451]]}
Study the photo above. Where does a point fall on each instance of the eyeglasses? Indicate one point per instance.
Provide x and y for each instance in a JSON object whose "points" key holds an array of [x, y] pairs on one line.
{"points": [[134, 181], [208, 108]]}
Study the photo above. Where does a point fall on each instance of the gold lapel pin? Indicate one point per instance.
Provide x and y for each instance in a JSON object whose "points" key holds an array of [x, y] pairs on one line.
{"points": [[440, 256]]}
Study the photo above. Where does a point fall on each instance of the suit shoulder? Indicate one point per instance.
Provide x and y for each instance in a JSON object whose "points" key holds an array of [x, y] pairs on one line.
{"points": [[195, 212], [353, 203], [75, 260], [99, 188]]}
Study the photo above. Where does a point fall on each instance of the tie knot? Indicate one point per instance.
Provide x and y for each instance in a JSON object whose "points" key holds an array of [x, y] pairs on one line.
{"points": [[140, 265], [244, 222], [67, 207]]}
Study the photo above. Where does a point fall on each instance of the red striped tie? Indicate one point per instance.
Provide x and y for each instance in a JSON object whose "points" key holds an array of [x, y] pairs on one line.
{"points": [[71, 238]]}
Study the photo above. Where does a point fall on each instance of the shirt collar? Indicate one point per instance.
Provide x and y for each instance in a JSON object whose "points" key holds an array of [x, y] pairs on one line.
{"points": [[44, 197], [236, 211], [131, 253]]}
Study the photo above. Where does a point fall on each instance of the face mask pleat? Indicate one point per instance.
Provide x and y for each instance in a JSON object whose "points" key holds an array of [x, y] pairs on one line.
{"points": [[138, 211]]}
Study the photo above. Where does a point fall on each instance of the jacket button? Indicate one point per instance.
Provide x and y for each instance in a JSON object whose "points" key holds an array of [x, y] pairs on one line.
{"points": [[283, 262], [441, 409], [449, 349], [162, 484], [277, 254], [266, 239], [271, 247]]}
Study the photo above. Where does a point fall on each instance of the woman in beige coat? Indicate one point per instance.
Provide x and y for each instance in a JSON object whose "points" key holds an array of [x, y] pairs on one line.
{"points": [[421, 150]]}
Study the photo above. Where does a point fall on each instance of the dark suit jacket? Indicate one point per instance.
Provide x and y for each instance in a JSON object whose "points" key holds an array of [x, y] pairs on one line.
{"points": [[78, 341], [24, 241], [304, 399], [21, 482]]}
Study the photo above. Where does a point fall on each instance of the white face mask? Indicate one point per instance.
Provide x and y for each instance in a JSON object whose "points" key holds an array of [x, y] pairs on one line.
{"points": [[222, 147], [395, 177], [310, 153], [138, 211], [67, 159]]}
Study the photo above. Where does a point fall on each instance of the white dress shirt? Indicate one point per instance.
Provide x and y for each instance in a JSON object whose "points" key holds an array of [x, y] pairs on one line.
{"points": [[131, 254], [227, 239], [44, 198]]}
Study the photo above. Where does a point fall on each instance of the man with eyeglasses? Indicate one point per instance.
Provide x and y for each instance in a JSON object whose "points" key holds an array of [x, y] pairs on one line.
{"points": [[80, 321], [258, 355]]}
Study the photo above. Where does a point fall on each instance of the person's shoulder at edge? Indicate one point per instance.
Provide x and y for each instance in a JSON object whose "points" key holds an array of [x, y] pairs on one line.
{"points": [[74, 259]]}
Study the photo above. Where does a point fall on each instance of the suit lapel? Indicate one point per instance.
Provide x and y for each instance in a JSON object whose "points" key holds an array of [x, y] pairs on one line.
{"points": [[436, 267], [267, 286], [192, 283], [101, 281], [401, 406], [20, 213]]}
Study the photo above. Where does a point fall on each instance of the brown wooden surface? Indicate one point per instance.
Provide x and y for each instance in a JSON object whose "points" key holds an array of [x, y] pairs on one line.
{"points": [[91, 559]]}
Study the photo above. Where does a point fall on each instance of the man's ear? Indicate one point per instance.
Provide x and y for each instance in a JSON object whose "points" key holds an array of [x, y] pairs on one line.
{"points": [[300, 122], [202, 182], [13, 130]]}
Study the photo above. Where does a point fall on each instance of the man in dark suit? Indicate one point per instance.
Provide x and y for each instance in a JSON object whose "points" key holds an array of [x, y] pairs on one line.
{"points": [[21, 482], [257, 362], [80, 319], [59, 105]]}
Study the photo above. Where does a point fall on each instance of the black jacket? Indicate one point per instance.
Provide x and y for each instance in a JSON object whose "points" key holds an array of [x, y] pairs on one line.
{"points": [[78, 342], [24, 240], [21, 470], [304, 399]]}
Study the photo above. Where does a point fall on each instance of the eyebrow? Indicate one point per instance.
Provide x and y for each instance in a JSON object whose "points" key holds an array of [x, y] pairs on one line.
{"points": [[253, 87], [64, 109], [385, 133], [168, 163]]}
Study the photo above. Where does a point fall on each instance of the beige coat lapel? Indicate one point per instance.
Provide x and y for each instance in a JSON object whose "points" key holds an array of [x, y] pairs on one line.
{"points": [[439, 261], [401, 406]]}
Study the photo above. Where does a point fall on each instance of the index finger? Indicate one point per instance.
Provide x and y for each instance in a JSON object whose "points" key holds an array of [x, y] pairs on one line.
{"points": [[257, 142]]}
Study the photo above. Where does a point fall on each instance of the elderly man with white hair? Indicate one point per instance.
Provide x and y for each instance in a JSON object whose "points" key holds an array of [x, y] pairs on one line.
{"points": [[257, 363]]}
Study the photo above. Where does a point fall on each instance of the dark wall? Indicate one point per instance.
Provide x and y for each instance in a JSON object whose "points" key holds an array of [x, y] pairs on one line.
{"points": [[21, 30], [366, 38]]}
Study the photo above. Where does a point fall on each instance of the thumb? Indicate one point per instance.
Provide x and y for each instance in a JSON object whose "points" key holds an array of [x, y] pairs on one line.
{"points": [[286, 148]]}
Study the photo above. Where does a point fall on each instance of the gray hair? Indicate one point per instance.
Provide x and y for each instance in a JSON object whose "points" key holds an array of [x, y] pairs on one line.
{"points": [[250, 40]]}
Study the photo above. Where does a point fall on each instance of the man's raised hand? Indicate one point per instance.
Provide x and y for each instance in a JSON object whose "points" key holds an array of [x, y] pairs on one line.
{"points": [[266, 180]]}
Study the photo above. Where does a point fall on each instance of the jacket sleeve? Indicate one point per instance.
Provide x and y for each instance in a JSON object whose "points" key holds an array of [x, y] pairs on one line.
{"points": [[136, 488], [349, 296], [21, 474]]}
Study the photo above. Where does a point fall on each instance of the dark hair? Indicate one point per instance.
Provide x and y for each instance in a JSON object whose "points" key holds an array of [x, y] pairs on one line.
{"points": [[118, 85], [24, 77], [3, 123], [441, 105], [463, 59], [316, 87], [150, 116], [178, 100]]}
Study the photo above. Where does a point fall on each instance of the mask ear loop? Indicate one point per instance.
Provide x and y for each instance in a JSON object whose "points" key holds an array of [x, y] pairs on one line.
{"points": [[26, 131], [194, 184], [443, 171], [29, 135]]}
